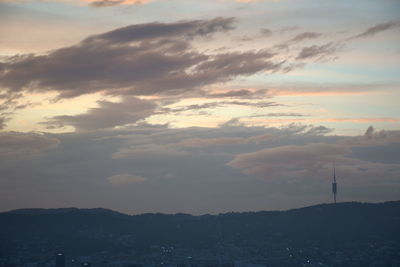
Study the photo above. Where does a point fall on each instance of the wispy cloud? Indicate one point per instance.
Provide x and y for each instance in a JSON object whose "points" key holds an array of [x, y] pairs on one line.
{"points": [[378, 28], [318, 51], [304, 36]]}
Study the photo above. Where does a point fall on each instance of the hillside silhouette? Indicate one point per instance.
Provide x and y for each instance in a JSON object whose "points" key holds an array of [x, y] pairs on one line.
{"points": [[352, 233]]}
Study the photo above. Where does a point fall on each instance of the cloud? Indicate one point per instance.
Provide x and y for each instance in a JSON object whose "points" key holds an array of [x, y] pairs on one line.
{"points": [[211, 105], [310, 89], [125, 179], [364, 120], [3, 122], [287, 160], [190, 107], [233, 93], [92, 3], [200, 142], [9, 101], [259, 104], [250, 1], [17, 143], [300, 170], [377, 29], [304, 36], [310, 161], [319, 51], [225, 141], [144, 59], [108, 3], [149, 151], [107, 115], [318, 130], [373, 137], [156, 30], [265, 32], [280, 114]]}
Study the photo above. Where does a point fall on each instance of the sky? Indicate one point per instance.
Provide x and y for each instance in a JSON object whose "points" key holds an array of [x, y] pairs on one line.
{"points": [[198, 106]]}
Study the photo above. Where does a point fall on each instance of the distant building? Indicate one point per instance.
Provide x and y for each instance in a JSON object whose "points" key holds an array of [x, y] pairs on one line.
{"points": [[60, 260], [85, 261]]}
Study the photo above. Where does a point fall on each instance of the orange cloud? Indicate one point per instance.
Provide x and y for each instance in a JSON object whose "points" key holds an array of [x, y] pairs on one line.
{"points": [[108, 3], [103, 3], [252, 1], [278, 121]]}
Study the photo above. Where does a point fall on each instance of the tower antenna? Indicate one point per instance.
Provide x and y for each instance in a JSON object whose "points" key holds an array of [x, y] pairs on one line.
{"points": [[334, 185]]}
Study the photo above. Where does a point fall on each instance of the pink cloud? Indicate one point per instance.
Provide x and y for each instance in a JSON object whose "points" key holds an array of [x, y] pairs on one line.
{"points": [[363, 120]]}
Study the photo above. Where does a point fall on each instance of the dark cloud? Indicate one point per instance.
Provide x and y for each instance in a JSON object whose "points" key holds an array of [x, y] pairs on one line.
{"points": [[107, 115], [233, 93], [17, 143], [319, 130], [377, 29], [265, 32], [106, 3], [318, 51], [9, 101], [372, 137], [8, 104], [155, 30], [237, 63], [259, 104], [305, 35], [144, 59], [209, 105], [190, 107]]}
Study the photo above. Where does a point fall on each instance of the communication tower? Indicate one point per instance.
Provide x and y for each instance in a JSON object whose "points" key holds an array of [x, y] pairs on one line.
{"points": [[334, 185]]}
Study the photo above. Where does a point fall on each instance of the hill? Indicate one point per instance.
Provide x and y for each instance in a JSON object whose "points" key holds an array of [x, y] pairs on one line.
{"points": [[352, 233]]}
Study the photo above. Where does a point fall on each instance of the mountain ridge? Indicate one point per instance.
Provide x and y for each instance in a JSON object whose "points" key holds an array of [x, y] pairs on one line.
{"points": [[44, 211], [354, 233]]}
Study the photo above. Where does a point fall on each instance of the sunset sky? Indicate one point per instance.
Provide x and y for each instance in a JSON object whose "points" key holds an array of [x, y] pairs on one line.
{"points": [[198, 106]]}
